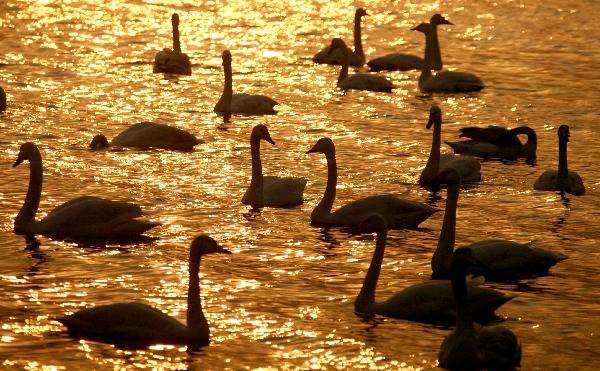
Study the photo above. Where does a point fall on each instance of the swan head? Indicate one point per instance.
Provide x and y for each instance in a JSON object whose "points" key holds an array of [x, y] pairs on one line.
{"points": [[27, 151], [563, 133], [205, 244], [260, 131], [435, 116], [463, 263], [423, 27], [437, 19], [323, 145], [449, 176], [99, 142], [175, 20], [360, 12], [226, 57], [373, 223], [337, 43]]}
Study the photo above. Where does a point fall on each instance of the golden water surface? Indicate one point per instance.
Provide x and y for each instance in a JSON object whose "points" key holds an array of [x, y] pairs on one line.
{"points": [[284, 299]]}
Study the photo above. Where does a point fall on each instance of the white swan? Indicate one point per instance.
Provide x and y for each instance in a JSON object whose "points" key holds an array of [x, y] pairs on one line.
{"points": [[80, 218], [149, 135], [405, 62], [358, 81], [505, 260], [563, 180], [140, 323], [444, 81], [2, 99], [497, 142], [356, 58], [470, 346], [173, 61], [398, 213], [429, 301], [468, 167], [250, 104], [270, 190]]}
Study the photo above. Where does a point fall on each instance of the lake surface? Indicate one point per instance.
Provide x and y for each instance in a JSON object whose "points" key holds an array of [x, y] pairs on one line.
{"points": [[284, 299]]}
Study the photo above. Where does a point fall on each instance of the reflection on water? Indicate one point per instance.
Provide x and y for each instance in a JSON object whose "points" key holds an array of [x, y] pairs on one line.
{"points": [[285, 298]]}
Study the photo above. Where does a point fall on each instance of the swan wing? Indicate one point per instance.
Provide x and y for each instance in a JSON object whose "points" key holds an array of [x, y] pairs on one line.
{"points": [[252, 104], [468, 167], [363, 81], [324, 56], [576, 184], [499, 347], [169, 61], [149, 134], [395, 62], [548, 181], [452, 81], [489, 134], [283, 191]]}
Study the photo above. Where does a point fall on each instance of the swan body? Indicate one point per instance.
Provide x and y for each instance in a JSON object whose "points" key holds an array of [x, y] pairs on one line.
{"points": [[505, 260], [405, 62], [2, 100], [497, 142], [398, 213], [173, 61], [270, 190], [85, 217], [142, 324], [470, 346], [149, 135], [429, 301], [444, 81], [358, 81], [563, 179], [249, 104], [468, 167], [356, 58]]}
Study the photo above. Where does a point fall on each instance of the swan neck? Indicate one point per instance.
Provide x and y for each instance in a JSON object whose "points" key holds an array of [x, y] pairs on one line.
{"points": [[432, 47], [366, 295], [427, 61], [26, 216], [176, 42], [196, 321], [463, 311], [257, 175], [434, 154], [324, 207], [224, 103], [442, 257], [563, 170], [345, 63], [358, 49]]}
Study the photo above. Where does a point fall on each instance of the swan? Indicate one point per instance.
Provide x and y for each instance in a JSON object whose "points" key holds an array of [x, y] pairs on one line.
{"points": [[470, 346], [398, 213], [405, 62], [444, 81], [250, 104], [142, 324], [80, 218], [2, 99], [356, 58], [270, 190], [497, 142], [149, 135], [173, 61], [505, 260], [563, 180], [468, 167], [429, 301], [358, 81]]}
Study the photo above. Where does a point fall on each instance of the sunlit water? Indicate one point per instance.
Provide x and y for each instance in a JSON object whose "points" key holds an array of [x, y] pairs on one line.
{"points": [[284, 299]]}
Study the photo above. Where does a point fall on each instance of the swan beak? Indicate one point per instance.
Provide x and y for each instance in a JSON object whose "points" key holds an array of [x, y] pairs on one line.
{"points": [[312, 150], [224, 251], [429, 122], [268, 139], [18, 162], [447, 22], [414, 28]]}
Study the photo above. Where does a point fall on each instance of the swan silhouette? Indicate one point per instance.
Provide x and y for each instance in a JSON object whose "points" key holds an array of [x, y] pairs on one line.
{"points": [[398, 213], [250, 104], [356, 58], [270, 190], [405, 62], [149, 135], [505, 260], [470, 346], [563, 180], [468, 167], [142, 324], [173, 61], [80, 218], [429, 301], [2, 100], [444, 81], [358, 81], [497, 142]]}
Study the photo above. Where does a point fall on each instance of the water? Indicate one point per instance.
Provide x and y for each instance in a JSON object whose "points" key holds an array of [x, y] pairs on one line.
{"points": [[284, 299]]}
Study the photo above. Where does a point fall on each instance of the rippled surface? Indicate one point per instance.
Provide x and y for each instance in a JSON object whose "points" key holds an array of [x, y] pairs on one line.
{"points": [[284, 299]]}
